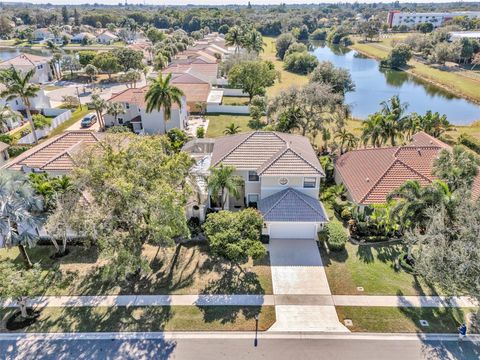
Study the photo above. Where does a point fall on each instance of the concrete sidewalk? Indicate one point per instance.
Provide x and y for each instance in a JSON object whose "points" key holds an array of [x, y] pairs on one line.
{"points": [[247, 300]]}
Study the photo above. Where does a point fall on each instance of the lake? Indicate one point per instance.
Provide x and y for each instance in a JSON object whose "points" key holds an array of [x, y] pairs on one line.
{"points": [[374, 85], [8, 53]]}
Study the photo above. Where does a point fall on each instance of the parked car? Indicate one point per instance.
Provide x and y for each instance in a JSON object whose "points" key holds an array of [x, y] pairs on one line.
{"points": [[88, 121]]}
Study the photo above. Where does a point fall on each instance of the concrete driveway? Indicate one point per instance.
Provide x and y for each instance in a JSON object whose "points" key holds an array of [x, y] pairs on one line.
{"points": [[303, 299]]}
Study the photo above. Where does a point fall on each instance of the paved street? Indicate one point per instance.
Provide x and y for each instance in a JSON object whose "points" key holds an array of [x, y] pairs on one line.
{"points": [[201, 346]]}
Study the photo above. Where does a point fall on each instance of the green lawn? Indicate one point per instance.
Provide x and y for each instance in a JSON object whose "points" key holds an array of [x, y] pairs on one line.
{"points": [[287, 79], [156, 318], [370, 267], [76, 115], [405, 320], [218, 123], [188, 269], [235, 100]]}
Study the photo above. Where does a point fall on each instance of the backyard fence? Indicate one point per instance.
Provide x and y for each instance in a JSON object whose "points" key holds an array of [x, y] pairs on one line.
{"points": [[61, 115]]}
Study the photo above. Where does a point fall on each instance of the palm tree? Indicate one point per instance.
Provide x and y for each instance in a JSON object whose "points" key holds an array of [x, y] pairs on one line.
{"points": [[434, 123], [326, 136], [19, 213], [231, 129], [18, 86], [234, 37], [162, 95], [115, 109], [223, 181], [99, 105], [7, 113], [346, 138], [253, 41], [372, 130], [393, 122]]}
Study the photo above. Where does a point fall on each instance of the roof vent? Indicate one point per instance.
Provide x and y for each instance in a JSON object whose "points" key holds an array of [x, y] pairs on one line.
{"points": [[419, 152], [367, 179]]}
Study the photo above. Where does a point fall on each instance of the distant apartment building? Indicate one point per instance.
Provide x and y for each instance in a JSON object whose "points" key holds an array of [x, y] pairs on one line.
{"points": [[398, 18]]}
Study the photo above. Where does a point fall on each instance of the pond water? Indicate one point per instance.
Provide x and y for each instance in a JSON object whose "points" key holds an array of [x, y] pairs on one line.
{"points": [[374, 85], [8, 53]]}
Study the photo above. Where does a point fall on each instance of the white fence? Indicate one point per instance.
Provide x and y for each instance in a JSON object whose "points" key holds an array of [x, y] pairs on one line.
{"points": [[232, 92], [61, 115], [229, 109]]}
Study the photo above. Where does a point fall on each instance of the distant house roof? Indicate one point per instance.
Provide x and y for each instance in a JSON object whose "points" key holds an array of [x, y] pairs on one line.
{"points": [[135, 96], [269, 153], [371, 174], [3, 146], [25, 59], [55, 154], [293, 206], [206, 72], [108, 34]]}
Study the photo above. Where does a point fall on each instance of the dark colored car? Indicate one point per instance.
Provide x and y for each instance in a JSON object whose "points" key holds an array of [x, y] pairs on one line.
{"points": [[88, 121]]}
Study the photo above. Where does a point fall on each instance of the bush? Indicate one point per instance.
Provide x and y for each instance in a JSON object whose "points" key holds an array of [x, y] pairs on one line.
{"points": [[17, 150], [318, 34], [300, 63], [346, 214], [118, 129], [200, 132], [41, 122], [336, 236], [6, 138], [470, 142]]}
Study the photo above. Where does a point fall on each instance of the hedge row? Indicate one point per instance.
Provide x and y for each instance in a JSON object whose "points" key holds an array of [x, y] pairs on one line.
{"points": [[470, 142], [336, 236]]}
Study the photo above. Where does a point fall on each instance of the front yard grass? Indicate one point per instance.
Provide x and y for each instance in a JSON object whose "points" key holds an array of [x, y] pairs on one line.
{"points": [[188, 269], [155, 318], [405, 320], [370, 267], [218, 123]]}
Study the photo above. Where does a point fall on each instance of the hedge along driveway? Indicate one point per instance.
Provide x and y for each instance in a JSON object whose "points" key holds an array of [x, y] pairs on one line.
{"points": [[370, 267]]}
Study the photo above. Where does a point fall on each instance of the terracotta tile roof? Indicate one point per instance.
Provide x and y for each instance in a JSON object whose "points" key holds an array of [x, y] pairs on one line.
{"points": [[55, 154], [135, 96], [195, 92], [371, 174], [25, 59], [269, 153], [3, 146], [202, 71], [293, 206]]}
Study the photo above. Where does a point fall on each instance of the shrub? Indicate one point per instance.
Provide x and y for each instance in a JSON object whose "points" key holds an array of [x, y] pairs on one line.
{"points": [[6, 138], [346, 214], [117, 129], [70, 102], [17, 150], [470, 142], [318, 34], [300, 63], [41, 122], [200, 132], [336, 236]]}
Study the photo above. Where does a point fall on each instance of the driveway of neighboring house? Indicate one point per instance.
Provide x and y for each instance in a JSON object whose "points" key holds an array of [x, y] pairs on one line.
{"points": [[302, 295]]}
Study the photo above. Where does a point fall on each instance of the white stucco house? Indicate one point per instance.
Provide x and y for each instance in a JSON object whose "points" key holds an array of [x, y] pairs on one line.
{"points": [[139, 119], [107, 38], [25, 62], [41, 35], [281, 178]]}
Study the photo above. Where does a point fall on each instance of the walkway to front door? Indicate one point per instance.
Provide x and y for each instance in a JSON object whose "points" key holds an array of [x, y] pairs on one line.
{"points": [[302, 296]]}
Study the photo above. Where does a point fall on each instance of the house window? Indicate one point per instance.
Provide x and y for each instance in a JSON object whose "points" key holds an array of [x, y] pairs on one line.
{"points": [[252, 200], [127, 105], [253, 176], [120, 121], [309, 182]]}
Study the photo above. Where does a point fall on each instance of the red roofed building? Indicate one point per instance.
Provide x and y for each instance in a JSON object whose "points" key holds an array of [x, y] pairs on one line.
{"points": [[369, 175]]}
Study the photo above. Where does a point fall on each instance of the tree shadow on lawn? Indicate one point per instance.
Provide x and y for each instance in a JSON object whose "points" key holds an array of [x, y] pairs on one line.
{"points": [[384, 253], [332, 256]]}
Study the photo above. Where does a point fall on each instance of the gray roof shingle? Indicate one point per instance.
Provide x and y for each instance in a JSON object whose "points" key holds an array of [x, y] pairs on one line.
{"points": [[292, 205]]}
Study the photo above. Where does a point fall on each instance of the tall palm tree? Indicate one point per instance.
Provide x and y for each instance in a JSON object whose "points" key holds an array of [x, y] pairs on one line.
{"points": [[326, 136], [372, 130], [99, 105], [434, 123], [19, 213], [115, 109], [346, 139], [223, 181], [231, 129], [18, 86], [393, 111], [6, 114], [234, 37], [162, 95], [253, 41]]}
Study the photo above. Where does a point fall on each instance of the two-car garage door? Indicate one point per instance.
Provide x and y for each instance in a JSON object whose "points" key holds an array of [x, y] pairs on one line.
{"points": [[292, 230]]}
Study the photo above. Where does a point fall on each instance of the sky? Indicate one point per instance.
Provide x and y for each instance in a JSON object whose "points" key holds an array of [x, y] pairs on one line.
{"points": [[215, 2]]}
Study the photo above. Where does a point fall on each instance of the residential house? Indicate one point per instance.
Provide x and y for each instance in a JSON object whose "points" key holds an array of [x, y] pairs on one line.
{"points": [[107, 38], [370, 175], [55, 156], [41, 35], [281, 178], [139, 119], [82, 38], [196, 90], [25, 62], [206, 72]]}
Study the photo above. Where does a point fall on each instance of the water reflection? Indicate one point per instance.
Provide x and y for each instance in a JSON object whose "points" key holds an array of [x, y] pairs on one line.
{"points": [[374, 85]]}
